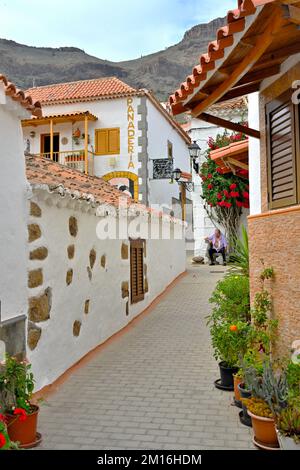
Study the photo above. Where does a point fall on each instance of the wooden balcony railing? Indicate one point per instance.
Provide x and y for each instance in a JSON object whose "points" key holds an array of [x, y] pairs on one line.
{"points": [[74, 159]]}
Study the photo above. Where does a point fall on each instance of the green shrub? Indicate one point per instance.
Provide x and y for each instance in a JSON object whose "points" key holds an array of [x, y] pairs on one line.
{"points": [[230, 341], [231, 298]]}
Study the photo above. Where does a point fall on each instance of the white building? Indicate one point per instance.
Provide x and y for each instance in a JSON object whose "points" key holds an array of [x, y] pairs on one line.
{"points": [[199, 131], [13, 215], [65, 288], [109, 129]]}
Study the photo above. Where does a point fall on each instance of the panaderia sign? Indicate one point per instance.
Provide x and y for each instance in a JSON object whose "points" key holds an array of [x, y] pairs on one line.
{"points": [[131, 131]]}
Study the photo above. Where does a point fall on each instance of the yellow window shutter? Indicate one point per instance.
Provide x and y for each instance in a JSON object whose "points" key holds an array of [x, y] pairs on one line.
{"points": [[102, 142], [114, 141]]}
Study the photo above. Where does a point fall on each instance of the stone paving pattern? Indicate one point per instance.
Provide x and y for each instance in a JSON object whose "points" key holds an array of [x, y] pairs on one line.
{"points": [[151, 387]]}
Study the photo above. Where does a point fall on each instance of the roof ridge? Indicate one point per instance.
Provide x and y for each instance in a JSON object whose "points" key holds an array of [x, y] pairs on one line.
{"points": [[80, 81]]}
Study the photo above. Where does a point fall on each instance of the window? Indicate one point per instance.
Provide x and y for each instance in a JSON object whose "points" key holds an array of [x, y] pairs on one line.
{"points": [[107, 141], [137, 291], [170, 150], [283, 152]]}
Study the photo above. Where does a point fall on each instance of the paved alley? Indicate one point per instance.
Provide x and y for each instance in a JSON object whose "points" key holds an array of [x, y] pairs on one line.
{"points": [[152, 386]]}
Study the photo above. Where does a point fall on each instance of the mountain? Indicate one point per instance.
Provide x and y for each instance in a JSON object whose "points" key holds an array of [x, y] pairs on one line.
{"points": [[161, 72]]}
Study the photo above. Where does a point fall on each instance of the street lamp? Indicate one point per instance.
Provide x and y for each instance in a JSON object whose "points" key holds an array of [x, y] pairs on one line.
{"points": [[188, 185], [195, 151]]}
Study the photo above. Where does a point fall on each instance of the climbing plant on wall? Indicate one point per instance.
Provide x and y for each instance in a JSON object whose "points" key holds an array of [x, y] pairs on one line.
{"points": [[224, 195]]}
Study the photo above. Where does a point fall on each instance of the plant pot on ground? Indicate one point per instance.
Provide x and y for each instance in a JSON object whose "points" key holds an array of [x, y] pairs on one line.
{"points": [[237, 380], [227, 373], [22, 426], [263, 423], [16, 387], [244, 393], [229, 342]]}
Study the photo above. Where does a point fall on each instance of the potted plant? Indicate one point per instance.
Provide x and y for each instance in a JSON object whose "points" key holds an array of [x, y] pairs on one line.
{"points": [[269, 398], [229, 341], [5, 442], [288, 428], [263, 423], [16, 388], [238, 379]]}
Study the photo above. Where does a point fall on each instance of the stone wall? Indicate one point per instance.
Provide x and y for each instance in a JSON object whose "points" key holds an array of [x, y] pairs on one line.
{"points": [[79, 285]]}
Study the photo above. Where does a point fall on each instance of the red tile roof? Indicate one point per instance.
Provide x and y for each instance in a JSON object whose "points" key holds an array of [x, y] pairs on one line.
{"points": [[41, 171], [216, 50], [28, 102], [46, 174], [82, 90]]}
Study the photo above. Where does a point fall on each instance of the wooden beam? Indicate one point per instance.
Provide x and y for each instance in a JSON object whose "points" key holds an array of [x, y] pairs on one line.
{"points": [[235, 162], [259, 75], [86, 142], [244, 66], [233, 126], [240, 91], [51, 139]]}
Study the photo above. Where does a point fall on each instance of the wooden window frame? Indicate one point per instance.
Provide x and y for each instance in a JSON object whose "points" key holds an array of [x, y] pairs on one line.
{"points": [[107, 129], [295, 125], [136, 297]]}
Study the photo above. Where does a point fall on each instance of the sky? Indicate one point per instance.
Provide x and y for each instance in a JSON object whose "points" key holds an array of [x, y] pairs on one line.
{"points": [[109, 29]]}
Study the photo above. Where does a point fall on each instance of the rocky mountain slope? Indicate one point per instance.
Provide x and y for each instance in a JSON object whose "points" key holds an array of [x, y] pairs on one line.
{"points": [[160, 72]]}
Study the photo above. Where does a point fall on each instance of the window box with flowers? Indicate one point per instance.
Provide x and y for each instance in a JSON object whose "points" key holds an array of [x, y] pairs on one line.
{"points": [[16, 388], [225, 195]]}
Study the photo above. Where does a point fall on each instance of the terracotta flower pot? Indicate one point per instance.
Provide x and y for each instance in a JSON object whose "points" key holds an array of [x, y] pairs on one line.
{"points": [[237, 381], [264, 430], [24, 432]]}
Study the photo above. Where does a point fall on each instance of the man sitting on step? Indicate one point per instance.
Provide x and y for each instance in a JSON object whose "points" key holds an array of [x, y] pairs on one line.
{"points": [[218, 245]]}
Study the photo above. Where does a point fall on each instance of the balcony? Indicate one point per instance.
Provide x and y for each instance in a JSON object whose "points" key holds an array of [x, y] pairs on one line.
{"points": [[75, 159], [82, 159]]}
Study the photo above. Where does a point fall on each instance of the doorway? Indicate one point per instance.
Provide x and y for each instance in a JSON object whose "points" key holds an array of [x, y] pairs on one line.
{"points": [[46, 147]]}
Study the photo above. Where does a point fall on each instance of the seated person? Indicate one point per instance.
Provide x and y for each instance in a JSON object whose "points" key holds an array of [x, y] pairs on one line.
{"points": [[218, 244]]}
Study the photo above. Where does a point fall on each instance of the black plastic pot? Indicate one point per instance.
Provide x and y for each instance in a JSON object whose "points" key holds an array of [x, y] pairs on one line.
{"points": [[244, 417], [226, 374]]}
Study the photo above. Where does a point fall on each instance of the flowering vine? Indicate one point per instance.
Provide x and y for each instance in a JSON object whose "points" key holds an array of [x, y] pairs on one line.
{"points": [[225, 195]]}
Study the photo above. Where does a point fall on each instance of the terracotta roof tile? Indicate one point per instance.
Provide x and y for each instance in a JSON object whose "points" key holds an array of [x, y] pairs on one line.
{"points": [[216, 49], [28, 102], [43, 171], [110, 87]]}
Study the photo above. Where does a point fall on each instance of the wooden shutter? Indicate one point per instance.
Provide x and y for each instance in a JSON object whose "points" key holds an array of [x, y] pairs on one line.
{"points": [[107, 141], [101, 141], [137, 271], [282, 162], [114, 141]]}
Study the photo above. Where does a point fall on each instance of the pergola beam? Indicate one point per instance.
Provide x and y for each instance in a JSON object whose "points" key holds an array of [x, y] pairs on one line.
{"points": [[233, 126], [262, 44], [237, 163]]}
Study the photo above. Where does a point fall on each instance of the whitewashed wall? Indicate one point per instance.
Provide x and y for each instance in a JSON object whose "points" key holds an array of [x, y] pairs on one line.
{"points": [[57, 349], [159, 133], [113, 113], [13, 226], [110, 113]]}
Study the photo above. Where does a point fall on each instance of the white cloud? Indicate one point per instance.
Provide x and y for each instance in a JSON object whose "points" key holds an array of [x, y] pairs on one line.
{"points": [[109, 29]]}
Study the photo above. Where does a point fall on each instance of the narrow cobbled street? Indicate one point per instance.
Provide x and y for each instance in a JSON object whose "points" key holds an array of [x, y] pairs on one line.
{"points": [[151, 387]]}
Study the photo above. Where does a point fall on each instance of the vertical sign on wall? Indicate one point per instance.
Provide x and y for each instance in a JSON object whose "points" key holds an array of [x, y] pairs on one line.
{"points": [[131, 131]]}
